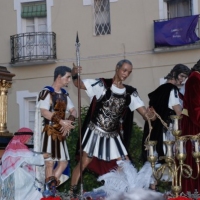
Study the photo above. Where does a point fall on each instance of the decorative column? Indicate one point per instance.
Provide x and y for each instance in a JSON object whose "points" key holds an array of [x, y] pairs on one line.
{"points": [[5, 84]]}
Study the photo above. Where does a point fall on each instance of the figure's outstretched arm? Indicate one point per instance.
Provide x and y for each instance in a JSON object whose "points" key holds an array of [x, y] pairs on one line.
{"points": [[147, 113]]}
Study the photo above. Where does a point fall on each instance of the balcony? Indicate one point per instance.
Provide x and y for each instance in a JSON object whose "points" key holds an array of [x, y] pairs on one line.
{"points": [[33, 48], [179, 30]]}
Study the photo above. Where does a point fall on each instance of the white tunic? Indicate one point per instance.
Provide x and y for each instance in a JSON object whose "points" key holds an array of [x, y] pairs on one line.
{"points": [[173, 100], [97, 90]]}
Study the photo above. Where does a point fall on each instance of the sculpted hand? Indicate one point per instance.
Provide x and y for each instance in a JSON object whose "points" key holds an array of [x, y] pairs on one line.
{"points": [[46, 155], [76, 69], [66, 127], [65, 132], [151, 113]]}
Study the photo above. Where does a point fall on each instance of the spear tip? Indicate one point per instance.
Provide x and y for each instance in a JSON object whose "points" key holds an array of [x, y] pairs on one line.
{"points": [[77, 39]]}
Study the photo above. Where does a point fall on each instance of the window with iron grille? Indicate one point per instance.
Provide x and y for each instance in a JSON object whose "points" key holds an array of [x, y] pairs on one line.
{"points": [[102, 17], [179, 8]]}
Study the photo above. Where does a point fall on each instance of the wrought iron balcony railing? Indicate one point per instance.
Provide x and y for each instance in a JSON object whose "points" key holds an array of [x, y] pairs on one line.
{"points": [[33, 46]]}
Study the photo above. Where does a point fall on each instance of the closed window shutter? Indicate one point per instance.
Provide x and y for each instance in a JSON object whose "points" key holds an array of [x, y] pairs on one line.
{"points": [[31, 10]]}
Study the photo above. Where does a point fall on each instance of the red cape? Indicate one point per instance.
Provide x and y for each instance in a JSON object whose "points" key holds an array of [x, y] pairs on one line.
{"points": [[191, 126]]}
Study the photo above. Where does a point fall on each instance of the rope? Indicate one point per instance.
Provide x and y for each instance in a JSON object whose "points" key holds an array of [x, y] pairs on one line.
{"points": [[154, 114]]}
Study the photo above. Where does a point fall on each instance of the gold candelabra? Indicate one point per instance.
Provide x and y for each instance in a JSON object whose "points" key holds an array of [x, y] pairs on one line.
{"points": [[174, 167]]}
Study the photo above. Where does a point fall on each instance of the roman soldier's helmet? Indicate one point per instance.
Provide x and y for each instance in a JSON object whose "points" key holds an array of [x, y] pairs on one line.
{"points": [[178, 69]]}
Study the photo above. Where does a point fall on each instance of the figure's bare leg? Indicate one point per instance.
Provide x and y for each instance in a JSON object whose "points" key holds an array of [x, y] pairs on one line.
{"points": [[50, 180], [60, 168], [49, 169], [76, 171]]}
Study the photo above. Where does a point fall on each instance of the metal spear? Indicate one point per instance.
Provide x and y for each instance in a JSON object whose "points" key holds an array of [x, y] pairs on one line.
{"points": [[79, 112]]}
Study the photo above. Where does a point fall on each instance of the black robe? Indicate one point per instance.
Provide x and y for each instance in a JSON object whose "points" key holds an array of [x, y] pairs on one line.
{"points": [[159, 99]]}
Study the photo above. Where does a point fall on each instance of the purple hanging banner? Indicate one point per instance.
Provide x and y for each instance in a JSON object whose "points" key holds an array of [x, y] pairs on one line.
{"points": [[176, 32]]}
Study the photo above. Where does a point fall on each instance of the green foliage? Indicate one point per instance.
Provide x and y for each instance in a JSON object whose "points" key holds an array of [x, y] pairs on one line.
{"points": [[136, 145]]}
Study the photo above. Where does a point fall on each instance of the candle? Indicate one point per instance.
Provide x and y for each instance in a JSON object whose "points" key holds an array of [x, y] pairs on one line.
{"points": [[196, 146], [164, 149], [150, 150], [181, 146], [169, 150], [175, 124]]}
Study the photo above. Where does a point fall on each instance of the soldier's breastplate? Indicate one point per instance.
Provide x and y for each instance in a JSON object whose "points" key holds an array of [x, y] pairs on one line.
{"points": [[59, 104], [107, 117]]}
